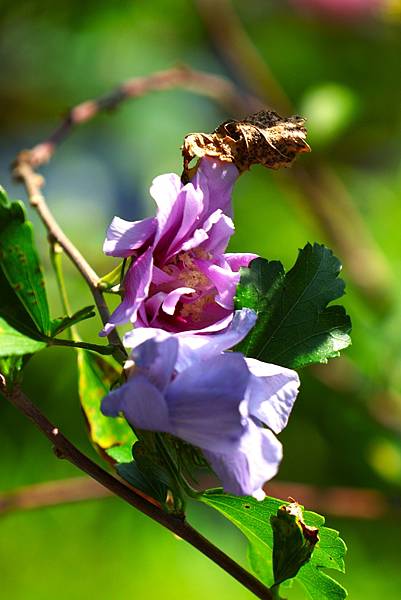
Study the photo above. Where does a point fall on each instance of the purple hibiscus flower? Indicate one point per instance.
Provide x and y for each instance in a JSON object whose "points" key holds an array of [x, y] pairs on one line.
{"points": [[225, 404], [180, 279]]}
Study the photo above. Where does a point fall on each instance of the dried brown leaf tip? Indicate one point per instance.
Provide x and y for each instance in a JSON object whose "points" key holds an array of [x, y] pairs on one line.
{"points": [[263, 138]]}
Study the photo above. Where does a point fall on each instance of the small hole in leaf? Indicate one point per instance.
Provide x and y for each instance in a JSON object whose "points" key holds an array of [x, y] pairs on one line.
{"points": [[247, 506]]}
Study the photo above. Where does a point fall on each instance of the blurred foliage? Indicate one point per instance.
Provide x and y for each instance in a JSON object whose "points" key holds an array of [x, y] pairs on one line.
{"points": [[346, 424]]}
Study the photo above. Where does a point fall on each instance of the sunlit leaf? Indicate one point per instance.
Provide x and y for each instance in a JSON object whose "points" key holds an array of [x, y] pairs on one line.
{"points": [[295, 327], [96, 375], [253, 519], [14, 343], [10, 366], [20, 264]]}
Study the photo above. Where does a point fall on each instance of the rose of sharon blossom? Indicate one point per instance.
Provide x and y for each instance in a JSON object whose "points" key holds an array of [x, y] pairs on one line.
{"points": [[180, 279], [225, 404]]}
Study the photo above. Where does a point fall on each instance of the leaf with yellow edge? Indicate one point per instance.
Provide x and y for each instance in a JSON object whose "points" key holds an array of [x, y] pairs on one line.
{"points": [[96, 376]]}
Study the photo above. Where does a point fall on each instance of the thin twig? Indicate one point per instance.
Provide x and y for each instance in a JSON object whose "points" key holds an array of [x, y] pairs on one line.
{"points": [[217, 88], [33, 182], [336, 501], [177, 524]]}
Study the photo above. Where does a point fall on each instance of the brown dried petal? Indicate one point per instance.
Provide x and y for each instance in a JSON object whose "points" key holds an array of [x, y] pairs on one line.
{"points": [[263, 138]]}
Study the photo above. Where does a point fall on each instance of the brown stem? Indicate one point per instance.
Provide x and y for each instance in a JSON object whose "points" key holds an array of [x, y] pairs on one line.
{"points": [[24, 171], [65, 449], [217, 88]]}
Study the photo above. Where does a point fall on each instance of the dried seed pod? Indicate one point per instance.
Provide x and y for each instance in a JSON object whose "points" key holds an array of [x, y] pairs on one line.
{"points": [[263, 138]]}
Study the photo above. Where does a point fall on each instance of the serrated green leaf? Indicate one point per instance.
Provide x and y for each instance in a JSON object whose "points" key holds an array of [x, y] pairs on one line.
{"points": [[20, 265], [61, 323], [13, 312], [14, 343], [295, 327], [95, 377], [253, 519]]}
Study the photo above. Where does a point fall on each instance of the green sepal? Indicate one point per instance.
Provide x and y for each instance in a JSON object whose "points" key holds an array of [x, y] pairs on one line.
{"points": [[113, 278], [61, 323]]}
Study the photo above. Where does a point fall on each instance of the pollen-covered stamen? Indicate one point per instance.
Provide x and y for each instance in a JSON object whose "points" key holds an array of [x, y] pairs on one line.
{"points": [[184, 268], [194, 310]]}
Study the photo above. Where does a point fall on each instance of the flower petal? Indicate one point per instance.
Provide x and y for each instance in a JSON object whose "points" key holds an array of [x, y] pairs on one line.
{"points": [[152, 306], [198, 236], [224, 280], [217, 179], [171, 300], [271, 393], [156, 359], [178, 209], [239, 259], [123, 237], [219, 229], [192, 207], [196, 345], [141, 402], [139, 335], [136, 288], [204, 402], [164, 190], [244, 471], [161, 277]]}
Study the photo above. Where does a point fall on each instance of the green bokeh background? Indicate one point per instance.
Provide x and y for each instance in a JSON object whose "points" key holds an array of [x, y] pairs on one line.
{"points": [[346, 426]]}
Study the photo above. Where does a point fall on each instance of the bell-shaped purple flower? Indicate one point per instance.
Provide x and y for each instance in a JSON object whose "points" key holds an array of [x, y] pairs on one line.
{"points": [[179, 278], [225, 404]]}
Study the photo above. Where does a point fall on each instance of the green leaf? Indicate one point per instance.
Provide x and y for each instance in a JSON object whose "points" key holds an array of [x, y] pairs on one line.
{"points": [[13, 311], [10, 366], [14, 343], [96, 376], [152, 481], [295, 327], [21, 268], [253, 519], [293, 541], [120, 454], [61, 323]]}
